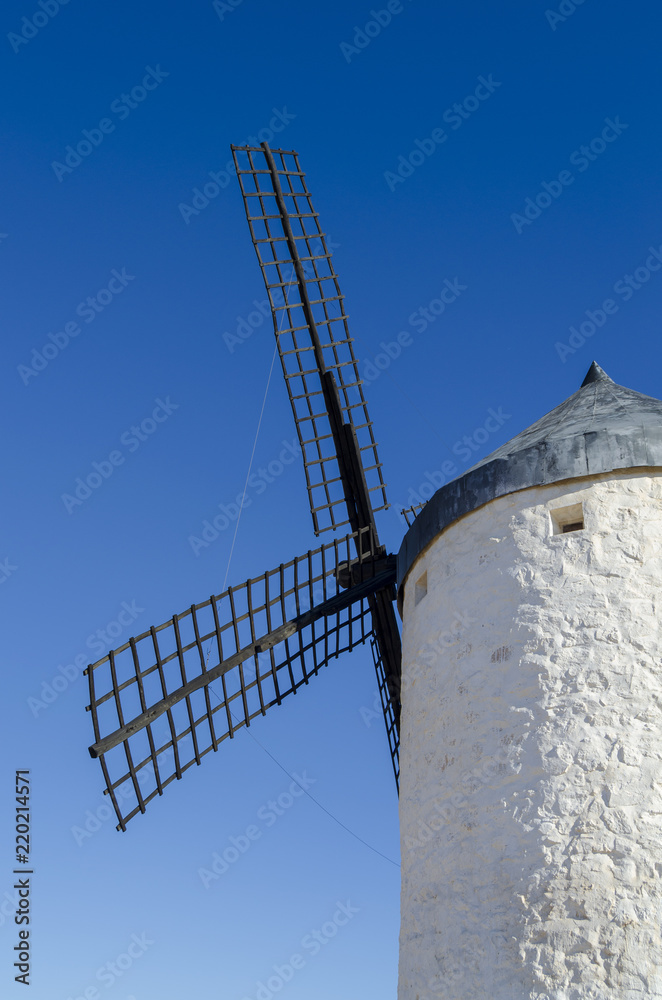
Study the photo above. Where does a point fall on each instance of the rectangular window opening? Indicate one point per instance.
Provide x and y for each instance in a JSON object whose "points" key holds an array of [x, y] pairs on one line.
{"points": [[421, 588], [566, 519]]}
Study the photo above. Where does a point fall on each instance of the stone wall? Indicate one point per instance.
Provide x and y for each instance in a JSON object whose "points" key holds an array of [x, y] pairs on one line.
{"points": [[531, 782]]}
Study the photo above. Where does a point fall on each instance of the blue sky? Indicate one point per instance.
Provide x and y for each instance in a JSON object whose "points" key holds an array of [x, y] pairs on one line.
{"points": [[508, 159]]}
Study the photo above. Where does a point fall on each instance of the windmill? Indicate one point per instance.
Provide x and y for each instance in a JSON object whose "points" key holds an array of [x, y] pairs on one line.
{"points": [[532, 734], [162, 701]]}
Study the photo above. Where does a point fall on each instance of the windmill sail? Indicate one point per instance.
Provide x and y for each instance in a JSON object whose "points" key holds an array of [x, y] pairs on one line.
{"points": [[164, 699], [311, 332], [343, 473], [389, 694]]}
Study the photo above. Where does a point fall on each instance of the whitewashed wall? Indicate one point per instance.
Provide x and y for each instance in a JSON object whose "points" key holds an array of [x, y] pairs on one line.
{"points": [[531, 788]]}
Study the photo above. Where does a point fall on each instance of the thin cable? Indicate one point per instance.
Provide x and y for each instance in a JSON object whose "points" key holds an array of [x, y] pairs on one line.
{"points": [[319, 804], [305, 790], [259, 424], [250, 466]]}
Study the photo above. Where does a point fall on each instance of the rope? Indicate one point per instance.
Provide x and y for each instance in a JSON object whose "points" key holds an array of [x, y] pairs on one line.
{"points": [[319, 804], [250, 466]]}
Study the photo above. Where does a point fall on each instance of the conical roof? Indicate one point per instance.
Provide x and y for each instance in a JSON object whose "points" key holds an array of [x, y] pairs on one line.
{"points": [[601, 428], [601, 407]]}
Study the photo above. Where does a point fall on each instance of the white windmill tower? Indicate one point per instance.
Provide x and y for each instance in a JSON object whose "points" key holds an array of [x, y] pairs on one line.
{"points": [[531, 732]]}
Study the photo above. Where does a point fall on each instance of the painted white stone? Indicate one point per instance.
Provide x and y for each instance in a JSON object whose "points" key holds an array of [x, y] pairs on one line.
{"points": [[531, 756]]}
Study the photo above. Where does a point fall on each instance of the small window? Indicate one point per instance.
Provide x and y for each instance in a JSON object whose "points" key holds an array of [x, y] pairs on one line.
{"points": [[421, 588], [566, 519]]}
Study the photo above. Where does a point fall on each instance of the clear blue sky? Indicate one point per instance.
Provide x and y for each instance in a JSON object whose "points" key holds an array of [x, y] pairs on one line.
{"points": [[532, 90]]}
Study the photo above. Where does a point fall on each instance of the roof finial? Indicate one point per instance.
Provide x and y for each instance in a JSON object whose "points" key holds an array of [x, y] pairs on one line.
{"points": [[595, 374]]}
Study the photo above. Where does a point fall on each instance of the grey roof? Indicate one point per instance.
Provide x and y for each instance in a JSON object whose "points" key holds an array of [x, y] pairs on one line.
{"points": [[602, 427]]}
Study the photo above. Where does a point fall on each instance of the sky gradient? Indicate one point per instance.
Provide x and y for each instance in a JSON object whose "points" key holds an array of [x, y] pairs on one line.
{"points": [[489, 182]]}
